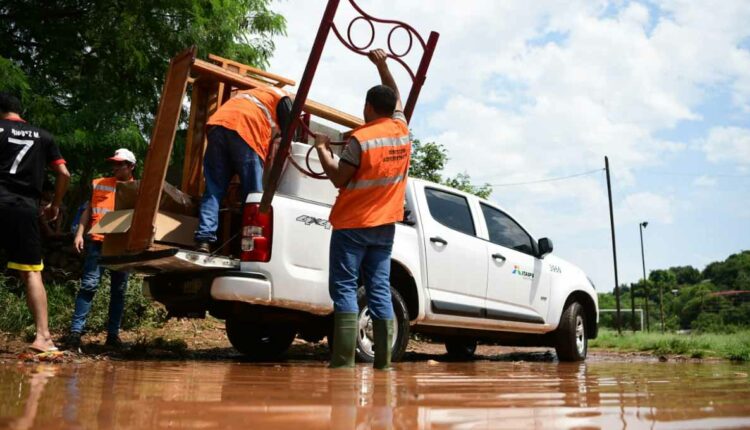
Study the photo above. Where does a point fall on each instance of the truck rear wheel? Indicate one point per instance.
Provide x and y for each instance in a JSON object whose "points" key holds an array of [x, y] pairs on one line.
{"points": [[365, 339], [259, 341], [461, 348], [572, 339]]}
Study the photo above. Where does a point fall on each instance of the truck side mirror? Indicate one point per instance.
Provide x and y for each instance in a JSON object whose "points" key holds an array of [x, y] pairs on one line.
{"points": [[545, 247]]}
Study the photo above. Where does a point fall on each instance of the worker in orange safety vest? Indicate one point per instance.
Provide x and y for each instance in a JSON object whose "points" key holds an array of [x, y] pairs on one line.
{"points": [[371, 178], [239, 137], [102, 201]]}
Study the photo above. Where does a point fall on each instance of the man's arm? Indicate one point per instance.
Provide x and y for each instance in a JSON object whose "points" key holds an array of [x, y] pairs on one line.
{"points": [[61, 186], [378, 57], [339, 173], [83, 221]]}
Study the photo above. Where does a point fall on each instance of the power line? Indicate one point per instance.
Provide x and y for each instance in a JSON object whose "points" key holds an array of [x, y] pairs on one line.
{"points": [[695, 175], [560, 178], [539, 181]]}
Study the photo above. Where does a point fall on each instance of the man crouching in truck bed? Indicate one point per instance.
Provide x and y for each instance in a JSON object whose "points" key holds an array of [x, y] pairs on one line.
{"points": [[239, 135], [371, 178]]}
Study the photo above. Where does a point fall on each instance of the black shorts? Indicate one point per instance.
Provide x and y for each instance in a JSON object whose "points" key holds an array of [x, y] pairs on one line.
{"points": [[19, 237]]}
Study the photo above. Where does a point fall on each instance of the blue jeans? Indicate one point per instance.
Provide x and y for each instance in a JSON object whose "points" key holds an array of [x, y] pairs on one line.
{"points": [[227, 154], [370, 250], [92, 273]]}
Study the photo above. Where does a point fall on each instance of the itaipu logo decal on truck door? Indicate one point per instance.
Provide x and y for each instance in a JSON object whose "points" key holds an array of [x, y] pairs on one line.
{"points": [[517, 271]]}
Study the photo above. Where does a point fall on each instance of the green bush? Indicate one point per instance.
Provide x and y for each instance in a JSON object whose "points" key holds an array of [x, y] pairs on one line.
{"points": [[16, 318]]}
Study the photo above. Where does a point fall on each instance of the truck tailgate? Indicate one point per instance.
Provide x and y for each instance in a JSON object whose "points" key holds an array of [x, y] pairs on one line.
{"points": [[169, 260]]}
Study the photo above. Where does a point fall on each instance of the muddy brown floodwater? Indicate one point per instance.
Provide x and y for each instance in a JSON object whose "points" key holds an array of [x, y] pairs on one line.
{"points": [[427, 394]]}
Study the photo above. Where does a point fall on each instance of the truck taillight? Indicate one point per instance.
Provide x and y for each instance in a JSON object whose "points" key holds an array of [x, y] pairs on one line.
{"points": [[257, 232]]}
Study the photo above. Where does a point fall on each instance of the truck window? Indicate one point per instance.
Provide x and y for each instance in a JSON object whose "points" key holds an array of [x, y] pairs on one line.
{"points": [[506, 232], [450, 210]]}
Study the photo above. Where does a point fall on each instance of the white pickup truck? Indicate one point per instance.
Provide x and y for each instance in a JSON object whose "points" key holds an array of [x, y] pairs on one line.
{"points": [[463, 270]]}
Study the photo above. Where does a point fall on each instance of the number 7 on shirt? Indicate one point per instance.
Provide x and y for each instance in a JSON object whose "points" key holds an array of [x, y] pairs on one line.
{"points": [[26, 146]]}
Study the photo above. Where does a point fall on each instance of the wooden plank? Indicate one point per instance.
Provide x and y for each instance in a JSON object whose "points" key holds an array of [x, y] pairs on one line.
{"points": [[203, 68], [195, 145], [244, 82], [141, 233], [277, 78], [331, 114]]}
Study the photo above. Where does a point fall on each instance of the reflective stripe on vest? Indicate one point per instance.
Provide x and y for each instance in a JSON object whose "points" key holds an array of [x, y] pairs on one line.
{"points": [[384, 142], [100, 187], [252, 114], [370, 183], [262, 107], [102, 202], [375, 194]]}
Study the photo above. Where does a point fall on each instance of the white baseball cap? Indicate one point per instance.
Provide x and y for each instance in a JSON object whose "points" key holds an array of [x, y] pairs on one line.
{"points": [[123, 154]]}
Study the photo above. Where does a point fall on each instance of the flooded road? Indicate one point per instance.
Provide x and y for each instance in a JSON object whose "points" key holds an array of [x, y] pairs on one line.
{"points": [[428, 394]]}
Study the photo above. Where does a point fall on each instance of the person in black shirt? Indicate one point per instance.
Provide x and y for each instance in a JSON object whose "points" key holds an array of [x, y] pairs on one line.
{"points": [[25, 151]]}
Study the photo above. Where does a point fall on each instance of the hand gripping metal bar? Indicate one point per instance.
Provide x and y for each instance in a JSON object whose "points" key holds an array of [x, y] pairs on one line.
{"points": [[326, 24]]}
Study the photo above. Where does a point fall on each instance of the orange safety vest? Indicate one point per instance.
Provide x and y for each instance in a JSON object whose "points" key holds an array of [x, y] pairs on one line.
{"points": [[252, 114], [375, 194], [102, 201]]}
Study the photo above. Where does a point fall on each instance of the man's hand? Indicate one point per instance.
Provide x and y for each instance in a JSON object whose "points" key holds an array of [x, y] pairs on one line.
{"points": [[51, 212], [78, 243], [378, 57], [322, 142]]}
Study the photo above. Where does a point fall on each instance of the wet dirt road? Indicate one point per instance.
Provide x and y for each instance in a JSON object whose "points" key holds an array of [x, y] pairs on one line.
{"points": [[427, 394]]}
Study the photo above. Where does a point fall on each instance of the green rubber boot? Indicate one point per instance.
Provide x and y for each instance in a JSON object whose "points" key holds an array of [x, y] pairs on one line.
{"points": [[383, 334], [344, 340]]}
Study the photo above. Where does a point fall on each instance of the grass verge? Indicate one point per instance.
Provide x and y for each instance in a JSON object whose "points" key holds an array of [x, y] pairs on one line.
{"points": [[733, 346], [16, 319]]}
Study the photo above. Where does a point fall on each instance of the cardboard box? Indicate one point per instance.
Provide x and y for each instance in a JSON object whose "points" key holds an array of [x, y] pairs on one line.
{"points": [[170, 228], [172, 201]]}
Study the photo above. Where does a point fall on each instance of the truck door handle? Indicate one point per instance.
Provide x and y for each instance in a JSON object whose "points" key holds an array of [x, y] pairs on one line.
{"points": [[498, 256], [438, 239]]}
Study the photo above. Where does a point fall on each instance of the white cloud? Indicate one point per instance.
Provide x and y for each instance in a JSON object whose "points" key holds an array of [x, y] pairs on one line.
{"points": [[522, 90], [645, 206], [704, 181], [730, 144]]}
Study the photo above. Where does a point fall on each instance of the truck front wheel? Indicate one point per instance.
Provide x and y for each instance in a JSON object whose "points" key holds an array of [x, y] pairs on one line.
{"points": [[365, 339], [571, 336], [259, 341]]}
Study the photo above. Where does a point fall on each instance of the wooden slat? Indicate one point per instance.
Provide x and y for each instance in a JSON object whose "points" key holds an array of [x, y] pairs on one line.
{"points": [[195, 145], [244, 82], [279, 79], [202, 68], [141, 233], [331, 114]]}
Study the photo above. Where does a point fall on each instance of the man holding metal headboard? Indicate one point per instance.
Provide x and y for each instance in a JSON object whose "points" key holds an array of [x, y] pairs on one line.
{"points": [[371, 177]]}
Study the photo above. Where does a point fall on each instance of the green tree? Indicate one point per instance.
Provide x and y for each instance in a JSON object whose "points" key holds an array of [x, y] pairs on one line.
{"points": [[93, 69], [664, 277], [732, 273], [12, 78], [428, 161], [686, 275]]}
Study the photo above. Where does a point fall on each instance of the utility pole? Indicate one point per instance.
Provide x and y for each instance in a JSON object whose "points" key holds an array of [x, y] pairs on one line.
{"points": [[641, 226], [661, 305], [618, 321]]}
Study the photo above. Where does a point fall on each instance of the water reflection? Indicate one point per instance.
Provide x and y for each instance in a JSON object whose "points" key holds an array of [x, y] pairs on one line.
{"points": [[306, 396]]}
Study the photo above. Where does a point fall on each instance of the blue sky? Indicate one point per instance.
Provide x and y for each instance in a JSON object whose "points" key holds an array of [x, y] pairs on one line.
{"points": [[520, 91]]}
